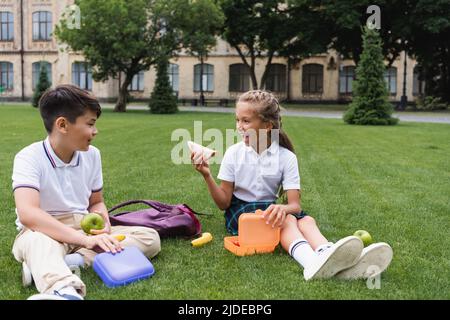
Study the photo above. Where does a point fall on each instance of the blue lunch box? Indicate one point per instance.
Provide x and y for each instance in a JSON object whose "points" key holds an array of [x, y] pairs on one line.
{"points": [[122, 268]]}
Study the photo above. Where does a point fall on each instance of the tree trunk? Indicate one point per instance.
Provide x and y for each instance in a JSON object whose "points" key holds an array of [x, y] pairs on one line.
{"points": [[121, 104], [202, 96], [356, 52], [262, 83], [253, 69], [253, 77], [251, 66], [266, 71]]}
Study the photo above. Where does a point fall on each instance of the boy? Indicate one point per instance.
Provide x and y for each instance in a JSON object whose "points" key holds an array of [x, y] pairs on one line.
{"points": [[56, 182]]}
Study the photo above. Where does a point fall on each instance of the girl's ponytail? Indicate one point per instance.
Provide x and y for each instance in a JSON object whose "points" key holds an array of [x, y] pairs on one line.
{"points": [[285, 141]]}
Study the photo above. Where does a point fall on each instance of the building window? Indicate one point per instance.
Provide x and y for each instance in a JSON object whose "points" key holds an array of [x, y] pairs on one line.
{"points": [[276, 78], [37, 72], [42, 25], [390, 76], [207, 79], [137, 84], [7, 75], [82, 75], [6, 26], [239, 78], [173, 72], [346, 77], [312, 81], [418, 83]]}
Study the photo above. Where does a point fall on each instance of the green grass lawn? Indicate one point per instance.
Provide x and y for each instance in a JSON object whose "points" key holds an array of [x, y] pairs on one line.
{"points": [[392, 181]]}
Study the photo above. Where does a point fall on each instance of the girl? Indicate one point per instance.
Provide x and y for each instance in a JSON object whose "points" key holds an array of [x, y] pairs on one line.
{"points": [[251, 173]]}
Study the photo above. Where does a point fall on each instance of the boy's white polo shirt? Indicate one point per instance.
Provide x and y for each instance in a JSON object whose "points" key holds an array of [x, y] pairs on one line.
{"points": [[258, 177], [63, 187]]}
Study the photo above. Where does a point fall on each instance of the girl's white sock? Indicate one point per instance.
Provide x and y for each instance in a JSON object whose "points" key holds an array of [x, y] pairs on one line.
{"points": [[302, 252]]}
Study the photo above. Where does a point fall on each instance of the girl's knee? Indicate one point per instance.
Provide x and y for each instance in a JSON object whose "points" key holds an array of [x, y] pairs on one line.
{"points": [[306, 222], [289, 221]]}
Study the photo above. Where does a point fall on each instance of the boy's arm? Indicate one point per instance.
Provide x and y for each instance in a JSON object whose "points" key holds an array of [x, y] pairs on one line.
{"points": [[97, 204], [36, 219], [96, 200]]}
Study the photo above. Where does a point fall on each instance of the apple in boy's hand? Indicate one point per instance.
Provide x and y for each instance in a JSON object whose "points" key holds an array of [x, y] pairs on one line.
{"points": [[365, 237], [92, 221]]}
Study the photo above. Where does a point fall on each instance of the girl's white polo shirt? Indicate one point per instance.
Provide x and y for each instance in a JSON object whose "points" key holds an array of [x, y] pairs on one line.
{"points": [[63, 187], [257, 177]]}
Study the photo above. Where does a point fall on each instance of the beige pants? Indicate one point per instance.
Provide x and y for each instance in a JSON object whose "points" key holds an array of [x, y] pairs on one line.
{"points": [[45, 256]]}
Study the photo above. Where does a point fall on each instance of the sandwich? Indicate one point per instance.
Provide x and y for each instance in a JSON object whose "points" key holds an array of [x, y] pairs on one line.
{"points": [[207, 153]]}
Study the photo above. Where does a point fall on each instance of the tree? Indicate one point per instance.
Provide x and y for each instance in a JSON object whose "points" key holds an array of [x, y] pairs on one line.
{"points": [[162, 99], [370, 104], [272, 28], [124, 37], [421, 27], [42, 86], [206, 20], [428, 41], [344, 19]]}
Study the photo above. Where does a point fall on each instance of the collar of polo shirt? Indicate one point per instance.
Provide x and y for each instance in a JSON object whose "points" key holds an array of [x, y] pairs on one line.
{"points": [[55, 160], [273, 149]]}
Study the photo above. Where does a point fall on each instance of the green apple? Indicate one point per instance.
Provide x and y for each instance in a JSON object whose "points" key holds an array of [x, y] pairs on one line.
{"points": [[92, 221], [365, 237]]}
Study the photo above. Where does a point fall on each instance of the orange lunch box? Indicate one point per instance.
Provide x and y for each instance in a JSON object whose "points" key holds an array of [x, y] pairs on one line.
{"points": [[254, 236]]}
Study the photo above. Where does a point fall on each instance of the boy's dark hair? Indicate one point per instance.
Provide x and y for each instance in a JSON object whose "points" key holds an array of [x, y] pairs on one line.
{"points": [[66, 101]]}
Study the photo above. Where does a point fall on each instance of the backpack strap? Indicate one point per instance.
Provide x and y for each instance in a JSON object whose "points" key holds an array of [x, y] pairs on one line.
{"points": [[127, 203]]}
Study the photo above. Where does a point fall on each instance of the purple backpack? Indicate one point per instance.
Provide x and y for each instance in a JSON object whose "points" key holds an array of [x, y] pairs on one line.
{"points": [[168, 220]]}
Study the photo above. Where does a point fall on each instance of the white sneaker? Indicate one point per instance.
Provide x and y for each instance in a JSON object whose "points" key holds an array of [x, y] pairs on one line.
{"points": [[341, 255], [55, 296], [373, 261]]}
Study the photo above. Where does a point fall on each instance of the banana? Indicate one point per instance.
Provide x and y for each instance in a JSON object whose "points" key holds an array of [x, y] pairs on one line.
{"points": [[119, 237], [205, 238]]}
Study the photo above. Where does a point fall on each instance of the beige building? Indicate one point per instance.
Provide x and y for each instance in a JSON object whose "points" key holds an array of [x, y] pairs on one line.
{"points": [[26, 43]]}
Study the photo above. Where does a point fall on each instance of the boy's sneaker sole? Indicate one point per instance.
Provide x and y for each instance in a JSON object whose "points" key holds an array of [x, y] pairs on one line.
{"points": [[373, 261], [47, 296], [342, 255], [27, 278]]}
